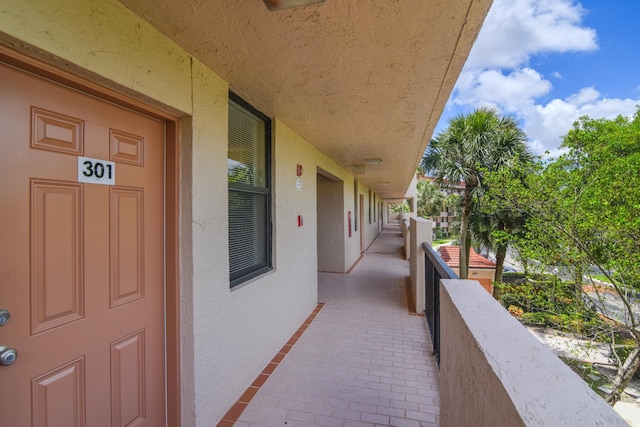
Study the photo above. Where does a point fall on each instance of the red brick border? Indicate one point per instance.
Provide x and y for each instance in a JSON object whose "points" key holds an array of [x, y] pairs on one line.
{"points": [[234, 413]]}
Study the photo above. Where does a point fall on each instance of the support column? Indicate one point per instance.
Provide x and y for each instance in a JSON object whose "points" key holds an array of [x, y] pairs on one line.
{"points": [[407, 237], [421, 231]]}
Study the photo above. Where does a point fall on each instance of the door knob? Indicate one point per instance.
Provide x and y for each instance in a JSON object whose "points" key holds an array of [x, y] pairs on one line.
{"points": [[4, 316], [7, 355]]}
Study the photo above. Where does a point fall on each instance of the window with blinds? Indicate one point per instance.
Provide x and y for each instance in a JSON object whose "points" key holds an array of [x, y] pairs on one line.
{"points": [[248, 175]]}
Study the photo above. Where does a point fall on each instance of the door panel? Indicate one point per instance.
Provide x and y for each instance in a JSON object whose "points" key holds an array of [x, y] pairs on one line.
{"points": [[128, 380], [58, 396], [56, 254], [81, 264], [127, 245]]}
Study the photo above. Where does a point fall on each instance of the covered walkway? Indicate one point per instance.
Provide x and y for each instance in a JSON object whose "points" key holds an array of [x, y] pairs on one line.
{"points": [[362, 358]]}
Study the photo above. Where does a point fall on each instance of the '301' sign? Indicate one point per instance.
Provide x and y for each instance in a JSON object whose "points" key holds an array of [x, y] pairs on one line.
{"points": [[96, 171]]}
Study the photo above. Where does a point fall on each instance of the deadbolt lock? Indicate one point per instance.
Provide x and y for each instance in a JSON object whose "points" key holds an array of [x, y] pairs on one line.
{"points": [[4, 316], [7, 355]]}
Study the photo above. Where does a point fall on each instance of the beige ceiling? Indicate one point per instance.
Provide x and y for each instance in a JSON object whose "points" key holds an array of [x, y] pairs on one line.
{"points": [[358, 79]]}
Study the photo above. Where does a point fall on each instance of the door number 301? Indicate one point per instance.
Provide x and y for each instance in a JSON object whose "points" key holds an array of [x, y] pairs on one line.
{"points": [[96, 171]]}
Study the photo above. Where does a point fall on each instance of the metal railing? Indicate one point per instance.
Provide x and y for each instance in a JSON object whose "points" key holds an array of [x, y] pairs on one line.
{"points": [[434, 270]]}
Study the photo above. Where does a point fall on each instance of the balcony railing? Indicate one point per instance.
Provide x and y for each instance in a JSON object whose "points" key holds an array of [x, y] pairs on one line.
{"points": [[435, 269]]}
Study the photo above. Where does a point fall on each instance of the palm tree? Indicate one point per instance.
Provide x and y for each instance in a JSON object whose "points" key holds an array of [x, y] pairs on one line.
{"points": [[430, 199], [472, 144], [453, 200]]}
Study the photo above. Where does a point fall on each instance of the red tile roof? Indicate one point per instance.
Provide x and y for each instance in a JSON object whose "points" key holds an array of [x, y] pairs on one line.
{"points": [[451, 255]]}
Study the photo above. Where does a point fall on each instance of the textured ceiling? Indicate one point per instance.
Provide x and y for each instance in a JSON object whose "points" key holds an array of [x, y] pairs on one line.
{"points": [[358, 79]]}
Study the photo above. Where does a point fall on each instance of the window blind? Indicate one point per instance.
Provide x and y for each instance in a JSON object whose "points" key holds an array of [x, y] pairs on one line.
{"points": [[249, 193]]}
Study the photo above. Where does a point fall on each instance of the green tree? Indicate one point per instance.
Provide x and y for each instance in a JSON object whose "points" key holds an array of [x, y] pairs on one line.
{"points": [[480, 231], [583, 214], [474, 143], [399, 208], [498, 226], [430, 199], [493, 228]]}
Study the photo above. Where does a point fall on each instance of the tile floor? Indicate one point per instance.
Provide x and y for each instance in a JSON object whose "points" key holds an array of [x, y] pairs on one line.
{"points": [[361, 359]]}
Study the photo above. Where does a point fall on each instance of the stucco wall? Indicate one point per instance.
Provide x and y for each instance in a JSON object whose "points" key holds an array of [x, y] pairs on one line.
{"points": [[493, 372], [227, 336], [106, 38], [482, 275], [369, 229], [370, 226]]}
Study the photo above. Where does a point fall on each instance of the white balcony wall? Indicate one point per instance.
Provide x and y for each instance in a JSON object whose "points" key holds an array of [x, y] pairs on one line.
{"points": [[493, 372]]}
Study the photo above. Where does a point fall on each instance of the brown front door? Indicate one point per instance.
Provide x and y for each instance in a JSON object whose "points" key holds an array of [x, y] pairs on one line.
{"points": [[81, 263]]}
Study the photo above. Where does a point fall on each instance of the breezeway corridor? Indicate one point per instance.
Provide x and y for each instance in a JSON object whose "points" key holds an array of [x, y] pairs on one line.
{"points": [[362, 358]]}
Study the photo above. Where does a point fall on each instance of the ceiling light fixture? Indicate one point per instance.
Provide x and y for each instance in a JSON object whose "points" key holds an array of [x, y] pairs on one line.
{"points": [[275, 5], [374, 161]]}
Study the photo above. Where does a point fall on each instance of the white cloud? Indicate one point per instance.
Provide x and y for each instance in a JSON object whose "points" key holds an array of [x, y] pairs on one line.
{"points": [[498, 73], [495, 88], [586, 95], [545, 125], [516, 29]]}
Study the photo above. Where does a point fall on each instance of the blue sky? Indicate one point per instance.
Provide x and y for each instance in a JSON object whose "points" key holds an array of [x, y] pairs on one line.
{"points": [[548, 62]]}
